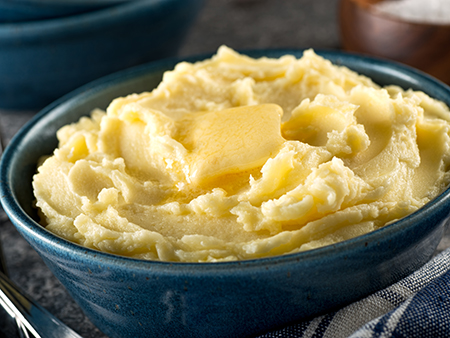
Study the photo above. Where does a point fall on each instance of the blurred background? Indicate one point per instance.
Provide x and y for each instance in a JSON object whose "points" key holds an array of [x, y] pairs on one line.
{"points": [[256, 24], [240, 24]]}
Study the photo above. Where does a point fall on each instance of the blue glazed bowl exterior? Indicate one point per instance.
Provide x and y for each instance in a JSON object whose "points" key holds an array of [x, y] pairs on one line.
{"points": [[28, 10], [40, 61], [134, 298]]}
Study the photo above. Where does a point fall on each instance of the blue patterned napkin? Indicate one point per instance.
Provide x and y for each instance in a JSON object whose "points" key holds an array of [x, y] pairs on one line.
{"points": [[417, 306]]}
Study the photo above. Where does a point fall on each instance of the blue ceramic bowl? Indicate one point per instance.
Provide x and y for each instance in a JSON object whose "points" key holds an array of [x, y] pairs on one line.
{"points": [[27, 10], [135, 298], [42, 60]]}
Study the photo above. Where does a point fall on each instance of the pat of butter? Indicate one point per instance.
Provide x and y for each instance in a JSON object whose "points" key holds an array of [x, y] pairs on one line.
{"points": [[230, 141]]}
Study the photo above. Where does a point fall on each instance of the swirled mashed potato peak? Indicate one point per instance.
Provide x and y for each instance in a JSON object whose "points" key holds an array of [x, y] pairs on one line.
{"points": [[238, 158]]}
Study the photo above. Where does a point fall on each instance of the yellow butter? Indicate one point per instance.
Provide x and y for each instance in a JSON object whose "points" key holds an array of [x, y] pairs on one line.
{"points": [[230, 141]]}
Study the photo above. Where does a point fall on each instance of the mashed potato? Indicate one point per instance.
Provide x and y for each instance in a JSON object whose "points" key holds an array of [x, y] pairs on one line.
{"points": [[238, 158]]}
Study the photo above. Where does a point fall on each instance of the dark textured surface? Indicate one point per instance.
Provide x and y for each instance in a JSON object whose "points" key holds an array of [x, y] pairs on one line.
{"points": [[250, 24], [240, 24]]}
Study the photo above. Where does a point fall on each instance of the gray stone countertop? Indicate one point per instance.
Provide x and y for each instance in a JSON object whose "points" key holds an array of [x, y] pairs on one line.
{"points": [[240, 24]]}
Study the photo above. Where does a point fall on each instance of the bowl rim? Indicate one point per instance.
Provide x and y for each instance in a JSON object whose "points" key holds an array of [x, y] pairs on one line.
{"points": [[25, 223], [101, 18]]}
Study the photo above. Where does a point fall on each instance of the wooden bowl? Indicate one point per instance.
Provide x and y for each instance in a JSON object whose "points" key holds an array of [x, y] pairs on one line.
{"points": [[366, 30]]}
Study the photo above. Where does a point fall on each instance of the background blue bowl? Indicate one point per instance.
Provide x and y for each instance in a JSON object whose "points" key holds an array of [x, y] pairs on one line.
{"points": [[135, 298], [27, 10], [42, 60]]}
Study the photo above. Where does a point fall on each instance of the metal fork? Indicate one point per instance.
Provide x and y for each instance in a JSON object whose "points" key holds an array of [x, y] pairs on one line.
{"points": [[32, 319]]}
